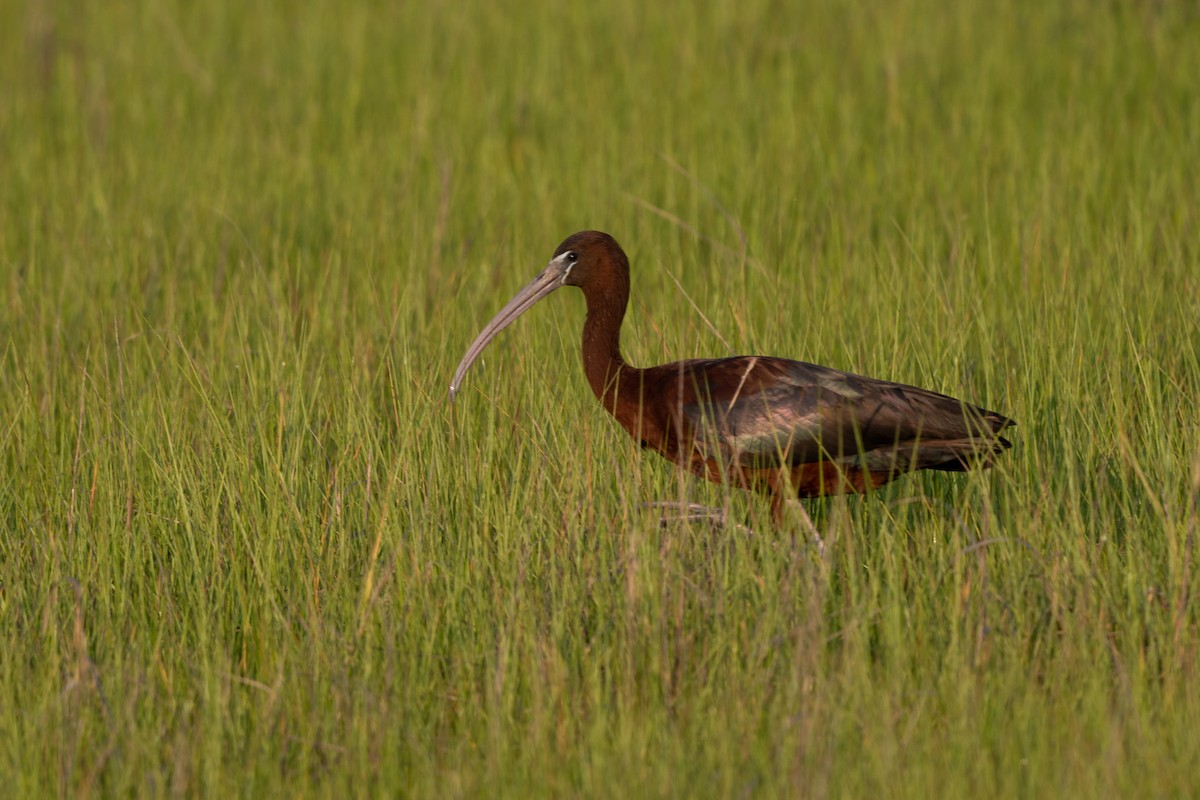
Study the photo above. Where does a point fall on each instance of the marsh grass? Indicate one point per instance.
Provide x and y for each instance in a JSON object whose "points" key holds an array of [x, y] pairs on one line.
{"points": [[248, 548]]}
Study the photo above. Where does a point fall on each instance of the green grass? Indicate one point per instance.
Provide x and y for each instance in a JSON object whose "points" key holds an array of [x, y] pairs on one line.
{"points": [[249, 549]]}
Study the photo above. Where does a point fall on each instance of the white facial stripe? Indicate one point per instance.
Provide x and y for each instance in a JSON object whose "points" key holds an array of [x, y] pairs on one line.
{"points": [[562, 259]]}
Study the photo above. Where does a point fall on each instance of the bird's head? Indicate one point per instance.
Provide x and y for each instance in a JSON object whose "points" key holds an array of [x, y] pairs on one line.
{"points": [[585, 259], [588, 257]]}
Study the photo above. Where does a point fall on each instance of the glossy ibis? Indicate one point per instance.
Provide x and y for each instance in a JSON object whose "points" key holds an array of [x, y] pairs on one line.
{"points": [[781, 427]]}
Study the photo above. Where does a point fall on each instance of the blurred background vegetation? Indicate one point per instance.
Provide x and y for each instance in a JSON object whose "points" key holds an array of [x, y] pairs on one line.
{"points": [[248, 548]]}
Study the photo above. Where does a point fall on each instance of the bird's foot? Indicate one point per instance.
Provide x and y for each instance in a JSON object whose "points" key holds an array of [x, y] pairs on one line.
{"points": [[690, 512]]}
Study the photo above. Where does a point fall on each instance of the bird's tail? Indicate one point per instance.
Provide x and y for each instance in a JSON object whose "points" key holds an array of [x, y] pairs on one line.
{"points": [[960, 455]]}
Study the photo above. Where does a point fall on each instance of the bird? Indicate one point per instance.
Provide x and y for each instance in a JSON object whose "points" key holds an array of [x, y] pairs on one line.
{"points": [[782, 428]]}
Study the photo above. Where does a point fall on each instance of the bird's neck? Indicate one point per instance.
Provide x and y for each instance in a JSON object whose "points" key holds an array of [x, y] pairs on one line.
{"points": [[603, 365]]}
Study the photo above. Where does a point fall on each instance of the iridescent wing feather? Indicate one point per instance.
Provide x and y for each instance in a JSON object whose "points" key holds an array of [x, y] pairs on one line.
{"points": [[760, 412]]}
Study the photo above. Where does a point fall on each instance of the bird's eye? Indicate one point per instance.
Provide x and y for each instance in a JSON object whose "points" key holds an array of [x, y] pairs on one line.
{"points": [[572, 256]]}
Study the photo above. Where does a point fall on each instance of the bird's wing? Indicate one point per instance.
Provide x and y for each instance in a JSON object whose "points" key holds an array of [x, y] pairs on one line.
{"points": [[758, 411]]}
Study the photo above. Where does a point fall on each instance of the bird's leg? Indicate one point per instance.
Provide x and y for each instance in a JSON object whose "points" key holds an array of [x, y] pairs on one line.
{"points": [[783, 506]]}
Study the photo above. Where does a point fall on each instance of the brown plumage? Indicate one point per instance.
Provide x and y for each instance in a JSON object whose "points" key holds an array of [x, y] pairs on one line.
{"points": [[772, 425]]}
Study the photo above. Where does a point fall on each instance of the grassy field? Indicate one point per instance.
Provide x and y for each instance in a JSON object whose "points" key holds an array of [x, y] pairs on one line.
{"points": [[248, 548]]}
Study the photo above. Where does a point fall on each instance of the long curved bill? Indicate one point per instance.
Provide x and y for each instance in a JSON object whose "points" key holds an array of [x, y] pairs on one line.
{"points": [[546, 282]]}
